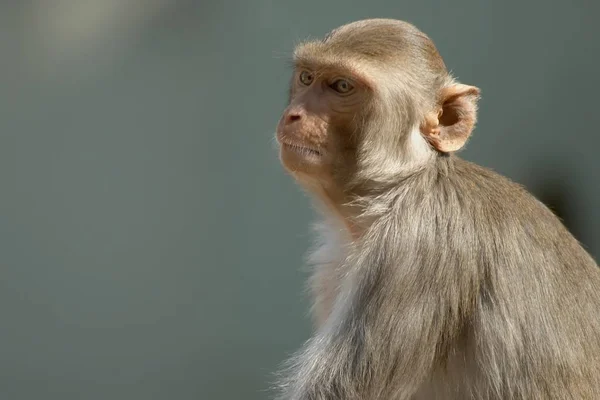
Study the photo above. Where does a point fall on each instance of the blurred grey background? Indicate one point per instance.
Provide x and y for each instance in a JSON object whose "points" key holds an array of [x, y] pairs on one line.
{"points": [[151, 245]]}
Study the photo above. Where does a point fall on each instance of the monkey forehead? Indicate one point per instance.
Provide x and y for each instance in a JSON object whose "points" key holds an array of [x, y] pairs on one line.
{"points": [[373, 45], [348, 54]]}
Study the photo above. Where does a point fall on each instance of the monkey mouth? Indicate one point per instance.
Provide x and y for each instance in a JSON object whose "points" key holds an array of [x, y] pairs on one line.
{"points": [[302, 150]]}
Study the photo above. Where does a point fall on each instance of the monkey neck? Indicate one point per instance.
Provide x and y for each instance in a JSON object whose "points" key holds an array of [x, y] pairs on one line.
{"points": [[358, 204], [336, 203], [333, 202]]}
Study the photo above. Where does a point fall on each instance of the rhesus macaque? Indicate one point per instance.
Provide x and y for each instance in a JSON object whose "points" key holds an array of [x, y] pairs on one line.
{"points": [[436, 278]]}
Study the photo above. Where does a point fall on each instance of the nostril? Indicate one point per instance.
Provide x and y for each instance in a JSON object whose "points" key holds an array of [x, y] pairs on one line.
{"points": [[293, 118]]}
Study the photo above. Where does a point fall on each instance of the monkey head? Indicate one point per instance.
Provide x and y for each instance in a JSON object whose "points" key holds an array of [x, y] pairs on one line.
{"points": [[371, 100]]}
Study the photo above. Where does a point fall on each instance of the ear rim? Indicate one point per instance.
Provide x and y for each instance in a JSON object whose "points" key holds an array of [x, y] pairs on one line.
{"points": [[457, 89], [450, 138]]}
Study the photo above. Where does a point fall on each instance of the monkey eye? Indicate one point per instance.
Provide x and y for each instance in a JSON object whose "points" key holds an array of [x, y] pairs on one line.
{"points": [[306, 78], [342, 86]]}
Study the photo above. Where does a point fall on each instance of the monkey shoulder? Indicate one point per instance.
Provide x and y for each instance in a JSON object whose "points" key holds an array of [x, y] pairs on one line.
{"points": [[505, 214], [499, 194]]}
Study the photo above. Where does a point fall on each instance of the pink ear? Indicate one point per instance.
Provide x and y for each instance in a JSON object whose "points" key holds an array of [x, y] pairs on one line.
{"points": [[449, 130]]}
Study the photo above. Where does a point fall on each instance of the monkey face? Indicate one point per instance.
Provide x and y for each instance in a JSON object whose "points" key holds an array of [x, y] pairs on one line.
{"points": [[316, 128]]}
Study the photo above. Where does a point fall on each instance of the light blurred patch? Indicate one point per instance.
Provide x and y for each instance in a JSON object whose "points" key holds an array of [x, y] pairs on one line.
{"points": [[65, 37]]}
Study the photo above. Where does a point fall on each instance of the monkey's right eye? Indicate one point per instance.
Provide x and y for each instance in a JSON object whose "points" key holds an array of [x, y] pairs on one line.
{"points": [[306, 78]]}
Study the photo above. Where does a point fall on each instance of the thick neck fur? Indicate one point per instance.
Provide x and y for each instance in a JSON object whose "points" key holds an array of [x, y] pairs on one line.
{"points": [[357, 204]]}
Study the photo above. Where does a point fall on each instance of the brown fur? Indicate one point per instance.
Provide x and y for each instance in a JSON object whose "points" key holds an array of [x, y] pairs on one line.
{"points": [[435, 278]]}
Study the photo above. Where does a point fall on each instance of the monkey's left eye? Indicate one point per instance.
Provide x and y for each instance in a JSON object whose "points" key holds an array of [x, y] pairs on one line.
{"points": [[306, 78], [342, 86]]}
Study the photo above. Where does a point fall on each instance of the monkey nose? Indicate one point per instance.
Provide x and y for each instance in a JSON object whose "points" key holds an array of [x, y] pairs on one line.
{"points": [[292, 117]]}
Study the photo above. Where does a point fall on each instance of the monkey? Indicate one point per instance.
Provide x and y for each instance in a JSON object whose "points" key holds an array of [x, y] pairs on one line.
{"points": [[434, 277]]}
